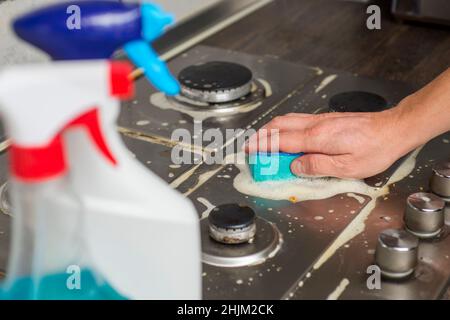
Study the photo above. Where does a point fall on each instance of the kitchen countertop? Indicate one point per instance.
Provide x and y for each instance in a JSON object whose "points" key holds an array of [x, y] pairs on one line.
{"points": [[333, 34]]}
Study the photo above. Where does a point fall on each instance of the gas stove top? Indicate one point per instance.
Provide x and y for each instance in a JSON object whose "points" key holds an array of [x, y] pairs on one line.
{"points": [[319, 249], [221, 89], [255, 247]]}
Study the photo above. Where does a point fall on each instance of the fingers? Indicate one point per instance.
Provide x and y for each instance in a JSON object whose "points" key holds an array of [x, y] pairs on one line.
{"points": [[269, 137], [290, 122], [299, 121], [296, 132], [318, 165], [290, 142], [263, 140]]}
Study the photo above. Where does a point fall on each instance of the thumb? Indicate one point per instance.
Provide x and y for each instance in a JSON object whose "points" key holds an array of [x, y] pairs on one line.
{"points": [[318, 165]]}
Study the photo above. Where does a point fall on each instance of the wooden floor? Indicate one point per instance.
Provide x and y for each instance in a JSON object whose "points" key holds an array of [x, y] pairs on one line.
{"points": [[332, 33]]}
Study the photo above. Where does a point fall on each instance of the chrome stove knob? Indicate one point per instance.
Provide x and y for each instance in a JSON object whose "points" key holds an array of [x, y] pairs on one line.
{"points": [[440, 180], [440, 185], [424, 215], [396, 253]]}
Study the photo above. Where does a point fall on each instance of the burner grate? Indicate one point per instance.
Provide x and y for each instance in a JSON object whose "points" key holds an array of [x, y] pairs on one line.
{"points": [[357, 101], [215, 82]]}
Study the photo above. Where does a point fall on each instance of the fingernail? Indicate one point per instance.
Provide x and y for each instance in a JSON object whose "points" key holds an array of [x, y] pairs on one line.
{"points": [[297, 168]]}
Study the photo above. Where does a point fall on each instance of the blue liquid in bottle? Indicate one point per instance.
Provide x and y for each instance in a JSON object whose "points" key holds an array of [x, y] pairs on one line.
{"points": [[54, 287]]}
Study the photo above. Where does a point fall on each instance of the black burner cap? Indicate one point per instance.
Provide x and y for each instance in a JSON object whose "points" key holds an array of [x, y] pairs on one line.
{"points": [[215, 75], [357, 101], [232, 216]]}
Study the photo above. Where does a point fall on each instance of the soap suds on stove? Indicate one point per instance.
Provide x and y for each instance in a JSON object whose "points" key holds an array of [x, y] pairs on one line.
{"points": [[358, 223], [318, 70], [325, 82], [301, 189], [161, 101], [321, 188], [267, 87], [184, 177], [202, 179], [142, 123], [339, 289], [360, 199], [304, 189], [209, 207]]}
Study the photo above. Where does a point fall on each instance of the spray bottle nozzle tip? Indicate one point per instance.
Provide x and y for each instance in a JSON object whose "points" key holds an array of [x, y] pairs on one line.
{"points": [[156, 17]]}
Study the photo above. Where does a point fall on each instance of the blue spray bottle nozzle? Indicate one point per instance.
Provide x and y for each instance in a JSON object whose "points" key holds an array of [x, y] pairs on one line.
{"points": [[155, 70], [104, 27], [154, 22]]}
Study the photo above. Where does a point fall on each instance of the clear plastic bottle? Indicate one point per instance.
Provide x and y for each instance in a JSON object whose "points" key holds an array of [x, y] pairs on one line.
{"points": [[49, 258]]}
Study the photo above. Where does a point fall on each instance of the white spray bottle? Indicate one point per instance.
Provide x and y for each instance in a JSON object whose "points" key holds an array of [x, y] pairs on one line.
{"points": [[90, 222]]}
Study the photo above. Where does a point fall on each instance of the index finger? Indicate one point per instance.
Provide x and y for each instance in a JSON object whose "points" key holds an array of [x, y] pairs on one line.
{"points": [[290, 142]]}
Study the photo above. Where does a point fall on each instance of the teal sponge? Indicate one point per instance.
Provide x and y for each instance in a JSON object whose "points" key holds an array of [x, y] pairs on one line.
{"points": [[272, 166]]}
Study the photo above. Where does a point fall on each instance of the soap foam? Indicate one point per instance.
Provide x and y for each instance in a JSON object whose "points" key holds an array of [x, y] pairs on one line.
{"points": [[321, 188], [304, 189], [208, 205], [325, 82], [301, 189], [161, 101], [339, 289]]}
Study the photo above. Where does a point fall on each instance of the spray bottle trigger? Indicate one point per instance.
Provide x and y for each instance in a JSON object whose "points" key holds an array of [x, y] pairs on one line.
{"points": [[91, 122]]}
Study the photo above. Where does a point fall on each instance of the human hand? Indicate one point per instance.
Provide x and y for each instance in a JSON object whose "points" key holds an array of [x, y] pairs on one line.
{"points": [[344, 145]]}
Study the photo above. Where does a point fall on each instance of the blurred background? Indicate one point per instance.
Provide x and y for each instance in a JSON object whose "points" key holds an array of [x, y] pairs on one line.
{"points": [[13, 51], [282, 24]]}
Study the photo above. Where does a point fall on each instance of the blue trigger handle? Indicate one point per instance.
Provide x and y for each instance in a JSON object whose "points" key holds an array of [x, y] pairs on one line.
{"points": [[156, 71]]}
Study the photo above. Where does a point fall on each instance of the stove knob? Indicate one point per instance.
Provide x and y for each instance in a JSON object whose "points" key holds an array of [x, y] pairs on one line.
{"points": [[440, 180], [5, 199], [232, 224], [424, 215], [396, 253], [447, 213], [440, 185]]}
